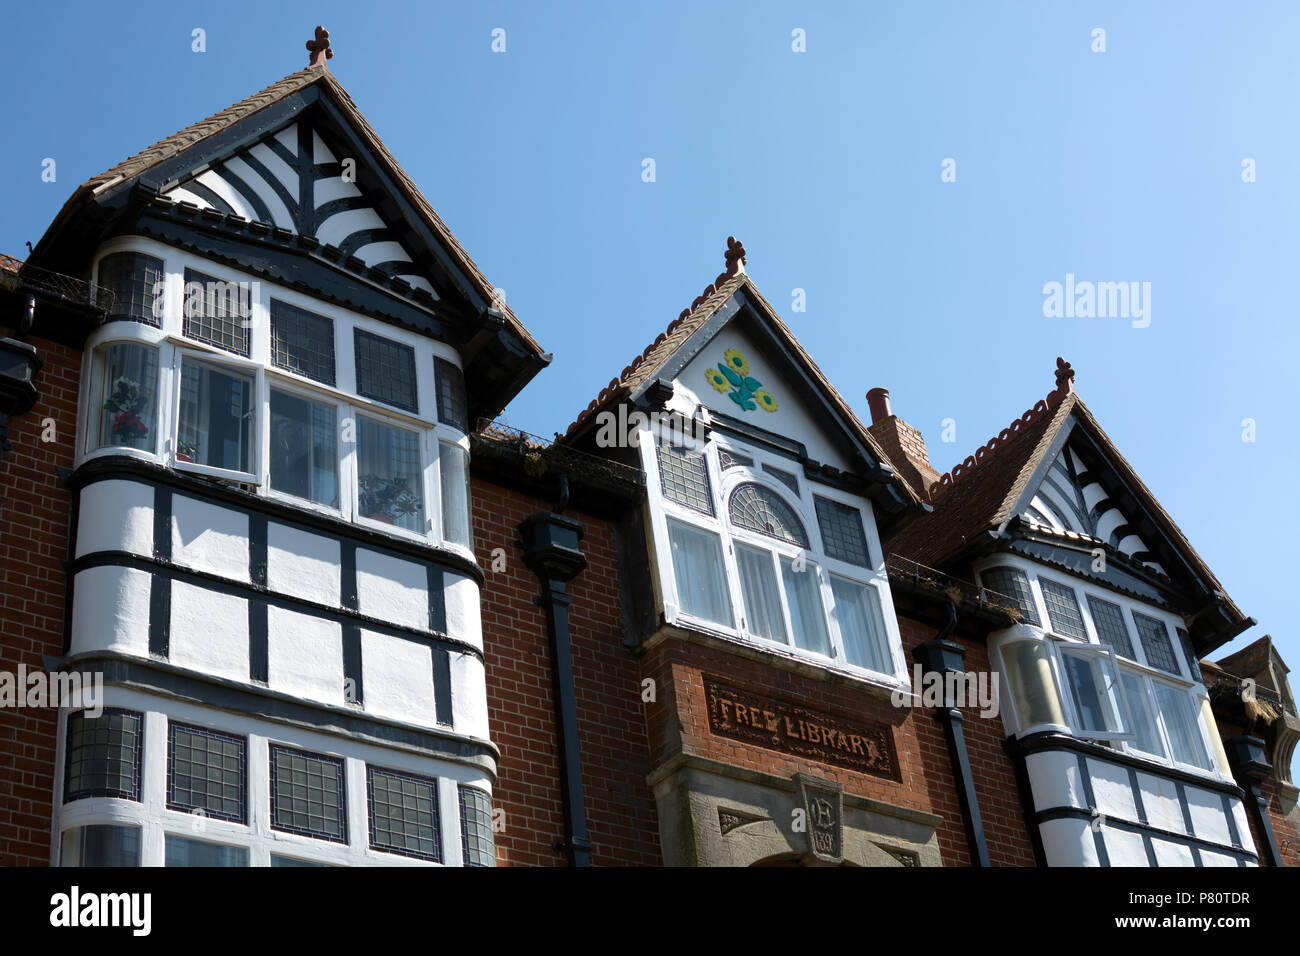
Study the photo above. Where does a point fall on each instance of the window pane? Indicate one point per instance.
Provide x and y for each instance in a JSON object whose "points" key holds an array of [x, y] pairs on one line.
{"points": [[291, 861], [1144, 721], [453, 406], [730, 459], [182, 851], [698, 569], [1179, 715], [304, 448], [390, 480], [684, 477], [476, 840], [125, 387], [216, 311], [302, 342], [1062, 609], [1189, 652], [787, 479], [862, 624], [1091, 679], [130, 279], [763, 615], [100, 845], [1033, 689], [761, 509], [453, 472], [206, 772], [385, 370], [216, 422], [404, 814], [1014, 583], [1155, 641], [103, 756], [807, 614], [307, 794], [842, 534], [1111, 629]]}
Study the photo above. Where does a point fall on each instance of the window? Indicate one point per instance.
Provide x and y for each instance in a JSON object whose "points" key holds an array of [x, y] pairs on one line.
{"points": [[291, 861], [385, 370], [182, 851], [304, 448], [1179, 716], [217, 312], [1090, 676], [132, 281], [787, 479], [807, 612], [842, 534], [759, 509], [860, 620], [100, 845], [476, 839], [1111, 629], [1146, 733], [1189, 652], [206, 772], [307, 794], [1013, 583], [1028, 669], [124, 397], [103, 756], [699, 571], [453, 472], [1155, 642], [453, 405], [404, 814], [390, 477], [684, 477], [763, 615], [1062, 609], [302, 342], [216, 426], [729, 459]]}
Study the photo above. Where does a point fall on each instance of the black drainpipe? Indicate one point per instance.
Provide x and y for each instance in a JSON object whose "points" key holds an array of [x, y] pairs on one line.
{"points": [[551, 551], [1250, 761], [942, 656]]}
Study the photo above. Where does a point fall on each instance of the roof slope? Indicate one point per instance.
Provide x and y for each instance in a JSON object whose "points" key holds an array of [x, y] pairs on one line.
{"points": [[171, 146]]}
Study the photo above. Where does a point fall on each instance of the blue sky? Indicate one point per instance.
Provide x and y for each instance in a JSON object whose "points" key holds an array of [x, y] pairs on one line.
{"points": [[1117, 166]]}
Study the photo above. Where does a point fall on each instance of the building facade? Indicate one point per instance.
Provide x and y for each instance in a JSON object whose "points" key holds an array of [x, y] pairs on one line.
{"points": [[341, 616]]}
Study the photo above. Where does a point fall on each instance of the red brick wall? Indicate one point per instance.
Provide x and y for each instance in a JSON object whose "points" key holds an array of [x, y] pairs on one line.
{"points": [[34, 522], [621, 819], [1285, 830]]}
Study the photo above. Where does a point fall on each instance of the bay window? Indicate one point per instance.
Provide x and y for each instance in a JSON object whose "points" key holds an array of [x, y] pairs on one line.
{"points": [[304, 458], [1090, 676], [100, 844], [701, 581], [132, 281], [124, 397], [217, 416], [390, 475], [453, 475]]}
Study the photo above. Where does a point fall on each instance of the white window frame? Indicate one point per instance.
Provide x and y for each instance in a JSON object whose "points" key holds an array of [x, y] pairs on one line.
{"points": [[243, 366], [90, 414]]}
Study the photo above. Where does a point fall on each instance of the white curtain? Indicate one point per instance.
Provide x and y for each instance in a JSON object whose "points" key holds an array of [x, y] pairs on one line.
{"points": [[763, 616], [1180, 721], [698, 568], [807, 615], [453, 471], [857, 611]]}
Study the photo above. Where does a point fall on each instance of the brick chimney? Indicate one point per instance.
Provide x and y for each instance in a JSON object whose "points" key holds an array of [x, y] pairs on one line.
{"points": [[902, 443]]}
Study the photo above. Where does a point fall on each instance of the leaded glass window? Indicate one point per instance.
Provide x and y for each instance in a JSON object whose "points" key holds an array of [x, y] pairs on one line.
{"points": [[756, 508], [1155, 642], [184, 851], [1063, 609], [453, 405], [477, 843], [404, 814], [307, 794], [684, 477], [103, 755], [304, 448], [729, 459], [1014, 583], [787, 479], [217, 311], [390, 477], [385, 370], [1189, 652], [1110, 626], [302, 342], [206, 772], [133, 283], [842, 532]]}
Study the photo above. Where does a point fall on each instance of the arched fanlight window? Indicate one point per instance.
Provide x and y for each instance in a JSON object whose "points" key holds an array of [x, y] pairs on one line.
{"points": [[756, 508]]}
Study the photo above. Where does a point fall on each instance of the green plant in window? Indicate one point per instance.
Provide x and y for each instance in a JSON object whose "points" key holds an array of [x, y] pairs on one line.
{"points": [[126, 400], [386, 499], [746, 391]]}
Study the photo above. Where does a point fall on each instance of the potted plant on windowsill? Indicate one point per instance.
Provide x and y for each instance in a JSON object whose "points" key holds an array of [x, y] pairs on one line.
{"points": [[387, 500], [126, 401], [186, 450]]}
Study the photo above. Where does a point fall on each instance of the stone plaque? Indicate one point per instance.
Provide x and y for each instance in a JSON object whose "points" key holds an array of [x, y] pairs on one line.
{"points": [[823, 806], [774, 724]]}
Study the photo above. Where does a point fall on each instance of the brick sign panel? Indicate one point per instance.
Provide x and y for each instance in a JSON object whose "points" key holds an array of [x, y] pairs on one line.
{"points": [[864, 746]]}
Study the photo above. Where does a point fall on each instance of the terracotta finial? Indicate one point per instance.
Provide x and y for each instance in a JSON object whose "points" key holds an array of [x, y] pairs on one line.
{"points": [[319, 48], [735, 256], [1064, 376]]}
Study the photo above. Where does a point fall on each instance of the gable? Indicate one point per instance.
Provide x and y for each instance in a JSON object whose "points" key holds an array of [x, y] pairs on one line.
{"points": [[732, 375], [291, 179]]}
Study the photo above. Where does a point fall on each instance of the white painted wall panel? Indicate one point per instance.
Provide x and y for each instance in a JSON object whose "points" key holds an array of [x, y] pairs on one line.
{"points": [[210, 538], [1210, 858], [392, 589], [464, 615], [1160, 800], [1172, 854], [1068, 842], [110, 611], [116, 516], [1208, 818], [1124, 848], [397, 678], [469, 695], [1111, 788], [303, 564], [1055, 781], [304, 656], [209, 631]]}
